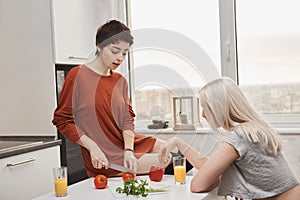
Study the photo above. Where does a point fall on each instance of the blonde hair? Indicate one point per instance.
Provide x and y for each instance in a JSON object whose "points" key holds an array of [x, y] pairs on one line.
{"points": [[225, 106]]}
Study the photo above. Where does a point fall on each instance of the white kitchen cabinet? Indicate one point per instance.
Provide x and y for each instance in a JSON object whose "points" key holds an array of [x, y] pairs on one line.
{"points": [[27, 72], [30, 176], [75, 23]]}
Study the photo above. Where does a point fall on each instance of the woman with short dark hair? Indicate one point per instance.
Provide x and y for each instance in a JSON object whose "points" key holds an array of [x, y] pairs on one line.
{"points": [[94, 109]]}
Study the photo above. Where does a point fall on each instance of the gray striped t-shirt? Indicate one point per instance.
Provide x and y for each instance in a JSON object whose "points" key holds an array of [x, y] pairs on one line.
{"points": [[256, 173]]}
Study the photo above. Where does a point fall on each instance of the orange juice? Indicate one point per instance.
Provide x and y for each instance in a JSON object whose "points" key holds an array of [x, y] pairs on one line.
{"points": [[179, 173], [60, 186]]}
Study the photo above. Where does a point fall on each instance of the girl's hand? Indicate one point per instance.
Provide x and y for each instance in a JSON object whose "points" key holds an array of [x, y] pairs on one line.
{"points": [[130, 160], [166, 148], [170, 145], [98, 158]]}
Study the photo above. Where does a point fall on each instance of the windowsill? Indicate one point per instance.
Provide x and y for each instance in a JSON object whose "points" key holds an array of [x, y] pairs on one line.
{"points": [[204, 130], [171, 131], [288, 130]]}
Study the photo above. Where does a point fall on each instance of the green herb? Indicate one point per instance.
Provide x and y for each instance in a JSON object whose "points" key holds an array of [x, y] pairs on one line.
{"points": [[136, 188], [149, 190]]}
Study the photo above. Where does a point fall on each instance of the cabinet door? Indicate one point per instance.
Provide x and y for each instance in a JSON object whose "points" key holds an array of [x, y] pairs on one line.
{"points": [[27, 74], [75, 23], [31, 174]]}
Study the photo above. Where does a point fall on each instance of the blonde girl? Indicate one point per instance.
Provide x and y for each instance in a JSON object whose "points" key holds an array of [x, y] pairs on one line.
{"points": [[249, 163]]}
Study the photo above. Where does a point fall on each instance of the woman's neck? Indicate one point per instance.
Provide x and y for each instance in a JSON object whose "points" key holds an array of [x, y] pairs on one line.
{"points": [[99, 67]]}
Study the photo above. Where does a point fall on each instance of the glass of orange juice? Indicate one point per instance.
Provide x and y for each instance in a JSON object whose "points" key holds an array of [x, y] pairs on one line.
{"points": [[179, 169], [60, 181]]}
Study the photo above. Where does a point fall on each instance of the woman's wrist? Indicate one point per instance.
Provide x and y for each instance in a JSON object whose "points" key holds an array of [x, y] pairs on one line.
{"points": [[128, 153], [128, 137], [129, 149], [181, 145], [87, 142]]}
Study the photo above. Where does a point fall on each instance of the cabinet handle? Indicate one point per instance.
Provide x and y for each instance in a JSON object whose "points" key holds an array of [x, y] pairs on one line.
{"points": [[21, 162], [77, 57]]}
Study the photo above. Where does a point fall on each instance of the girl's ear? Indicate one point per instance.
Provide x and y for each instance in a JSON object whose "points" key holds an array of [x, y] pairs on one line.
{"points": [[98, 50]]}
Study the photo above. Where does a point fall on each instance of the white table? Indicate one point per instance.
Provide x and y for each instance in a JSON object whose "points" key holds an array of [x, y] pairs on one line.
{"points": [[86, 190]]}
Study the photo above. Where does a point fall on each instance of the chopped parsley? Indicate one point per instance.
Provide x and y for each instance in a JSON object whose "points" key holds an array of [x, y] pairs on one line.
{"points": [[137, 187]]}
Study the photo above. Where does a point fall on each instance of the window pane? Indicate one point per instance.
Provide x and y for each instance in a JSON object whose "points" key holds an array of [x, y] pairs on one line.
{"points": [[268, 40], [176, 51]]}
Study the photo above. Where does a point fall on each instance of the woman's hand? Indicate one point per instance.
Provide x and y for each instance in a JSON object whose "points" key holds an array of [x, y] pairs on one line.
{"points": [[166, 148], [130, 160], [170, 145], [98, 158]]}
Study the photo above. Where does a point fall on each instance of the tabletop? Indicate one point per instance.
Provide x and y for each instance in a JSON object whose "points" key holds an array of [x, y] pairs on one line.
{"points": [[86, 190]]}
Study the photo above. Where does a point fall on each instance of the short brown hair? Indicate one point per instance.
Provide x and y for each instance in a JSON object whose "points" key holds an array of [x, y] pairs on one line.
{"points": [[111, 32]]}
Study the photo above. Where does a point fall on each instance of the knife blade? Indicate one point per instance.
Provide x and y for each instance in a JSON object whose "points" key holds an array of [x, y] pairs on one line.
{"points": [[120, 168]]}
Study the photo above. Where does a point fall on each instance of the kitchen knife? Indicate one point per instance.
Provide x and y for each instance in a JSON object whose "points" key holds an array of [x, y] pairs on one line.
{"points": [[120, 168]]}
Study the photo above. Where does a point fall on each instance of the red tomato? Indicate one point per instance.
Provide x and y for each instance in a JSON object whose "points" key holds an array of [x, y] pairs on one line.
{"points": [[100, 181], [156, 173], [127, 175]]}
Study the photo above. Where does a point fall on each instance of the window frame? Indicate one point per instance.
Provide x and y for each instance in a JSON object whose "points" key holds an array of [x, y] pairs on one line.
{"points": [[228, 9], [229, 57]]}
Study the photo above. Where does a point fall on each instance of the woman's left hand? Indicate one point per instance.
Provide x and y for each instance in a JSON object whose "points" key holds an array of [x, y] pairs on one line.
{"points": [[166, 148], [130, 160]]}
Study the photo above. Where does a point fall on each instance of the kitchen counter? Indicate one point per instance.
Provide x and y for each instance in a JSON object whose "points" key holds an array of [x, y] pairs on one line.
{"points": [[86, 190], [15, 145]]}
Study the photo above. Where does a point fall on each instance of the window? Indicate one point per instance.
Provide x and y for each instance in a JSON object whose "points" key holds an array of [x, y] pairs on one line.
{"points": [[176, 51], [254, 42], [268, 46]]}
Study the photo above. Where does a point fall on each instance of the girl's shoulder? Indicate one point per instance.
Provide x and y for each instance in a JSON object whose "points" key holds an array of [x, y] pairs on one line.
{"points": [[71, 75], [73, 72], [119, 77], [235, 135], [117, 74], [238, 141]]}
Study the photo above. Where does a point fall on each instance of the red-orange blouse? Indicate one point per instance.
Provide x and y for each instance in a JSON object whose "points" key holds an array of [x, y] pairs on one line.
{"points": [[99, 107]]}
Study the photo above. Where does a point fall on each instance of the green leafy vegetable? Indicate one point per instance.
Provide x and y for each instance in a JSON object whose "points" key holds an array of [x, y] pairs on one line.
{"points": [[150, 190], [137, 187]]}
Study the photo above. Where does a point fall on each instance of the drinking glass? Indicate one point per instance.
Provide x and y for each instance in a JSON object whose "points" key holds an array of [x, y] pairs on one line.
{"points": [[60, 177], [179, 164]]}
